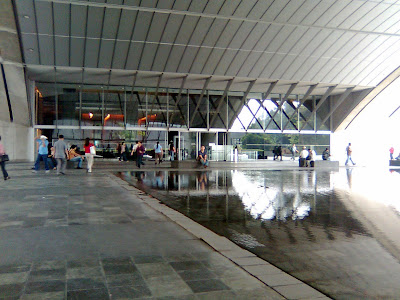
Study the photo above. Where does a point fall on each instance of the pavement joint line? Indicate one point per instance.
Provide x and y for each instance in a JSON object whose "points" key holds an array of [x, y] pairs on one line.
{"points": [[217, 242]]}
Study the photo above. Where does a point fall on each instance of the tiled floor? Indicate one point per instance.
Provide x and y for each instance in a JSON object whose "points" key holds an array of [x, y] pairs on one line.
{"points": [[83, 236]]}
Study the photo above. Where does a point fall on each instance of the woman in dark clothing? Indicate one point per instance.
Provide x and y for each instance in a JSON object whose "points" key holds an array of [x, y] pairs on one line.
{"points": [[3, 163]]}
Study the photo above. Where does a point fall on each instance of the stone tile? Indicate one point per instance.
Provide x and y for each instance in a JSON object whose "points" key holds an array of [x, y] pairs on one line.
{"points": [[167, 286], [129, 292], [156, 270], [228, 272], [259, 294], [125, 280], [85, 284], [120, 220], [44, 296], [49, 265], [249, 261], [201, 286], [278, 279], [45, 286], [86, 263], [43, 275], [84, 272], [237, 253], [12, 224], [78, 222], [95, 294], [217, 295], [11, 290], [119, 269], [262, 270], [187, 265], [298, 291], [116, 261], [56, 222], [179, 258], [144, 259], [13, 278], [198, 274], [243, 283], [184, 297]]}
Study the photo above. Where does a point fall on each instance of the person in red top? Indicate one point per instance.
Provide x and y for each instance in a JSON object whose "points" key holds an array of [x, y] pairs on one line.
{"points": [[391, 151], [89, 156], [140, 150]]}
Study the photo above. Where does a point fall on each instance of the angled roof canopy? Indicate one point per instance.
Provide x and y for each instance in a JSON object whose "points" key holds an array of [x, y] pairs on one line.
{"points": [[335, 46]]}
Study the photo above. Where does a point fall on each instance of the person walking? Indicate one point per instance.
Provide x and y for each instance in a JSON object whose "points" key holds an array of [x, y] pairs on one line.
{"points": [[43, 152], [172, 151], [133, 151], [349, 151], [123, 156], [140, 150], [3, 163], [294, 151], [61, 154], [158, 152], [391, 151], [89, 154]]}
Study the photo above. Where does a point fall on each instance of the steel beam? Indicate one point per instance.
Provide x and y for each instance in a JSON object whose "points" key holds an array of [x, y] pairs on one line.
{"points": [[308, 93], [243, 101], [321, 101], [179, 98], [336, 105], [156, 93], [221, 101], [200, 100], [292, 87]]}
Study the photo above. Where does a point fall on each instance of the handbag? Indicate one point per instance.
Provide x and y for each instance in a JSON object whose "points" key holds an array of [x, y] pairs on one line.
{"points": [[92, 150], [4, 157]]}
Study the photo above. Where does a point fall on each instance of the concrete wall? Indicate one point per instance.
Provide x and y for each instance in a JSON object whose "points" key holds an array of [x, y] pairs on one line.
{"points": [[17, 140], [16, 133]]}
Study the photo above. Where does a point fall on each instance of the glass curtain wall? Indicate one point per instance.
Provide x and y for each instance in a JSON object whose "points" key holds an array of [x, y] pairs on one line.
{"points": [[114, 114]]}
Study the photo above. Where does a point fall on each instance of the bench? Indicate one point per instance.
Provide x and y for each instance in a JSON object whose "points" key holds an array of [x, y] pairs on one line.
{"points": [[326, 164], [394, 163], [186, 164]]}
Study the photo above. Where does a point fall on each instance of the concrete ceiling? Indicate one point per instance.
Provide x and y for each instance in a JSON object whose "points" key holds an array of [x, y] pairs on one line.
{"points": [[348, 43]]}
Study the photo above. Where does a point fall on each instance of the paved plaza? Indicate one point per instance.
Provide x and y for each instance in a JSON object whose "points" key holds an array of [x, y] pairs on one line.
{"points": [[89, 236]]}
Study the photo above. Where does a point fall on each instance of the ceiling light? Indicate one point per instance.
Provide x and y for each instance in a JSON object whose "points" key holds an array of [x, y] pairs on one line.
{"points": [[30, 49], [26, 16]]}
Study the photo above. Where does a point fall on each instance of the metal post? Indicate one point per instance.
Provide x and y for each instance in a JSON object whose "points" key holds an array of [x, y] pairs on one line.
{"points": [[146, 108], [208, 110], [80, 107], [179, 145], [168, 108], [188, 110], [125, 99], [216, 145]]}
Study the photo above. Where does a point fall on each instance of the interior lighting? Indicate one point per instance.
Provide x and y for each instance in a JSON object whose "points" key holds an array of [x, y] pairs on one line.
{"points": [[30, 49], [26, 16], [90, 115], [107, 117]]}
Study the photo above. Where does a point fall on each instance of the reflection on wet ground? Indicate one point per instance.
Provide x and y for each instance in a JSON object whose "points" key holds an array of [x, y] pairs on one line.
{"points": [[337, 231]]}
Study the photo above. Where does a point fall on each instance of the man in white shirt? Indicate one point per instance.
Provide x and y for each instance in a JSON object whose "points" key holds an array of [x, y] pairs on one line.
{"points": [[302, 157]]}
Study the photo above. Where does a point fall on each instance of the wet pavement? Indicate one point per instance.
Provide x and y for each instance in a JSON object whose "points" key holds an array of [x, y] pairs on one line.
{"points": [[87, 236], [336, 231]]}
